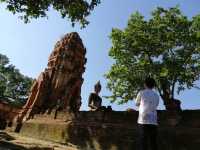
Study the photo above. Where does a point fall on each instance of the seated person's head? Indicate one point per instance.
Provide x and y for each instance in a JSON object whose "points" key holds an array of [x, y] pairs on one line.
{"points": [[97, 87]]}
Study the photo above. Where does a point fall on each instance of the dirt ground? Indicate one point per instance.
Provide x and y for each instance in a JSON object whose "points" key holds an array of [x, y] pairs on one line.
{"points": [[14, 141]]}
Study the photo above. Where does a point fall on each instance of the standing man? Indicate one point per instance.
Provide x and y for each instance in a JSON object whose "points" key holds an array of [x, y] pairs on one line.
{"points": [[147, 100]]}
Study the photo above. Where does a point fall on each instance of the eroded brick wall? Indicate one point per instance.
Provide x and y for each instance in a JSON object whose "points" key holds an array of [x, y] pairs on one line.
{"points": [[116, 130], [7, 114]]}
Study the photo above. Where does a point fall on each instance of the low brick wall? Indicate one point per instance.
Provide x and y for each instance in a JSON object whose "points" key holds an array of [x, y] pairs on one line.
{"points": [[7, 114], [116, 130]]}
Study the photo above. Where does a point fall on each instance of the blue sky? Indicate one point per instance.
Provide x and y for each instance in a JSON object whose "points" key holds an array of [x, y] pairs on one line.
{"points": [[28, 45]]}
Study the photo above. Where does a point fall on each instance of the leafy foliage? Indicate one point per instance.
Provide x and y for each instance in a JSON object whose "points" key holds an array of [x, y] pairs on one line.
{"points": [[13, 84], [75, 10], [165, 47]]}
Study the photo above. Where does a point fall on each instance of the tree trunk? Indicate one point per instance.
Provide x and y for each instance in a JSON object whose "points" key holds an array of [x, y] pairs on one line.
{"points": [[166, 99], [171, 103], [167, 94]]}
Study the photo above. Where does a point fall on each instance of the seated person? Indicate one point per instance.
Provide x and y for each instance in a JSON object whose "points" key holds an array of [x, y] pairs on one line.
{"points": [[95, 100]]}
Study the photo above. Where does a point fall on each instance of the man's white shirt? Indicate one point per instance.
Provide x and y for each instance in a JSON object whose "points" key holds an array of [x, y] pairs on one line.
{"points": [[148, 101]]}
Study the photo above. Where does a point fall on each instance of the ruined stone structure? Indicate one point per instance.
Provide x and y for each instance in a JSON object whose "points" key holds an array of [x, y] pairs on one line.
{"points": [[58, 87], [56, 93], [7, 114], [116, 130]]}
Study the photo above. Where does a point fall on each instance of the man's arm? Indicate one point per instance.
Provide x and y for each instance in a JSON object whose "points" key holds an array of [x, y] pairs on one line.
{"points": [[157, 102], [138, 99]]}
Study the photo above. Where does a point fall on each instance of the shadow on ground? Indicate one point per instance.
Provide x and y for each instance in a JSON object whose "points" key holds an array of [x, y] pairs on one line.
{"points": [[4, 145], [7, 144], [5, 136]]}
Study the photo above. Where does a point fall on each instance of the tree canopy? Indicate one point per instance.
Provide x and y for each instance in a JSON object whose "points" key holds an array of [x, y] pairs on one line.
{"points": [[75, 10], [13, 84], [165, 47]]}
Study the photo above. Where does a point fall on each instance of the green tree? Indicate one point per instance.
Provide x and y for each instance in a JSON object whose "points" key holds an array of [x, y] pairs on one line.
{"points": [[165, 47], [3, 80], [2, 84], [75, 10], [13, 84]]}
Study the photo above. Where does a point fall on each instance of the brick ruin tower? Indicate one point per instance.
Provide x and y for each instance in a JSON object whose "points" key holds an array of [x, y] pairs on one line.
{"points": [[59, 85]]}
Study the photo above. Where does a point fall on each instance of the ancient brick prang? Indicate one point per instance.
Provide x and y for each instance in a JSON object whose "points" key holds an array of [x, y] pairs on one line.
{"points": [[59, 86]]}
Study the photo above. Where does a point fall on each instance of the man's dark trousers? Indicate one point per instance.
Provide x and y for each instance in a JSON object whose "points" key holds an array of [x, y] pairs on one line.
{"points": [[148, 137]]}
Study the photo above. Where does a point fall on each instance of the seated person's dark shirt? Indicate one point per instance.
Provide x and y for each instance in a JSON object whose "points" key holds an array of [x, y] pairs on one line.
{"points": [[94, 101]]}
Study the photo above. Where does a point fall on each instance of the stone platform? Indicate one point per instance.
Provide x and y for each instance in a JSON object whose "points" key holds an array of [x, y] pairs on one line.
{"points": [[115, 130]]}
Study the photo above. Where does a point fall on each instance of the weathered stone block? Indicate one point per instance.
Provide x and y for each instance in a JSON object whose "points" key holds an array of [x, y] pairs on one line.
{"points": [[116, 131]]}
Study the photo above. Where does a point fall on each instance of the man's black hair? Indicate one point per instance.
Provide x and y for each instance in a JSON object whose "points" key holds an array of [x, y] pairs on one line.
{"points": [[150, 82]]}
